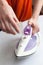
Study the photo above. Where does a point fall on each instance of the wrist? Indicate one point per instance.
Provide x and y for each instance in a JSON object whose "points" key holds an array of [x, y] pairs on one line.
{"points": [[33, 20]]}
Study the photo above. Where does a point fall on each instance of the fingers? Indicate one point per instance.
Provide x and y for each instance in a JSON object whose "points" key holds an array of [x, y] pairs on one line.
{"points": [[15, 17], [8, 27], [12, 29], [3, 26], [14, 24], [8, 17], [35, 27], [35, 30]]}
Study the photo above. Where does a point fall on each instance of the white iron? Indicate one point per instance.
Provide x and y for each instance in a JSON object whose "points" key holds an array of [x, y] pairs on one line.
{"points": [[28, 43]]}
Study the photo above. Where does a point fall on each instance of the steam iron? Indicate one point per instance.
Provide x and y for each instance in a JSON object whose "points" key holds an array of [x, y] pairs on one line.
{"points": [[28, 43]]}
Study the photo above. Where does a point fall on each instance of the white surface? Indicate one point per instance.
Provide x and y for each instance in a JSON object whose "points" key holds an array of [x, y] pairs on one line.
{"points": [[7, 45]]}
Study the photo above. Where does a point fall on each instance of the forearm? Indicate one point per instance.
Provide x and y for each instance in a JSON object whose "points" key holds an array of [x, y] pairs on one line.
{"points": [[37, 8]]}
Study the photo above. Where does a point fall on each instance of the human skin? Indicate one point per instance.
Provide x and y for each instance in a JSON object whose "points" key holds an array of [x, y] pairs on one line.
{"points": [[33, 21], [7, 18]]}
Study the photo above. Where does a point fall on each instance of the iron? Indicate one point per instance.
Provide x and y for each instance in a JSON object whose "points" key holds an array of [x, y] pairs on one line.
{"points": [[28, 43]]}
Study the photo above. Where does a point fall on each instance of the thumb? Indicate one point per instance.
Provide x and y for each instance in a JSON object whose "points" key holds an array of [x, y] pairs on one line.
{"points": [[30, 23]]}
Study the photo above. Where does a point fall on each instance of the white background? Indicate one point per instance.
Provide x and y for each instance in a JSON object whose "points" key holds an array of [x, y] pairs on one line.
{"points": [[7, 45]]}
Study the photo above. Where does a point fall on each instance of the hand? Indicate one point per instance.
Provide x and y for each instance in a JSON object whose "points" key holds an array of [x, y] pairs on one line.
{"points": [[34, 25], [8, 19]]}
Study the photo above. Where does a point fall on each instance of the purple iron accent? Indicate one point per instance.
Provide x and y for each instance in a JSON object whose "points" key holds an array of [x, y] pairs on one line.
{"points": [[27, 30], [31, 44]]}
